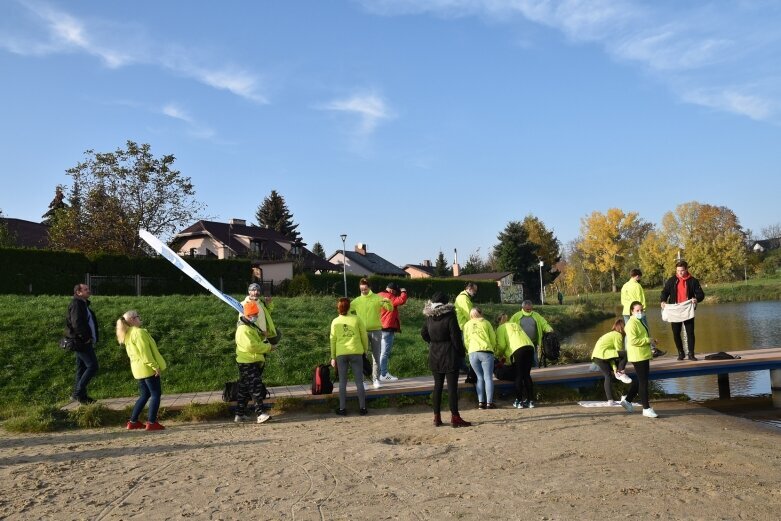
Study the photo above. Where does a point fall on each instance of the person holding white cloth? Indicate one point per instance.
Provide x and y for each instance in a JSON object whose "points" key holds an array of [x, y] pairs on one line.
{"points": [[679, 299]]}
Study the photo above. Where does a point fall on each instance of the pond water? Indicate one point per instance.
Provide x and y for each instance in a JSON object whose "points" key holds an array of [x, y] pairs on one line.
{"points": [[718, 327]]}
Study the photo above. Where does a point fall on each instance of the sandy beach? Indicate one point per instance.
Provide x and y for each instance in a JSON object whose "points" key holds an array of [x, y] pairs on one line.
{"points": [[551, 462]]}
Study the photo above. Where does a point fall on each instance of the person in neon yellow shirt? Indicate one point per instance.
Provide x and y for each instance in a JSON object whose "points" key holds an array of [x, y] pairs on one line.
{"points": [[369, 307], [609, 355], [251, 351], [480, 342], [638, 351], [515, 346], [349, 344], [146, 364]]}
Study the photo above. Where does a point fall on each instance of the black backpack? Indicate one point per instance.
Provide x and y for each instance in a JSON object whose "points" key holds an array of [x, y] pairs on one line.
{"points": [[321, 380], [231, 391], [551, 348]]}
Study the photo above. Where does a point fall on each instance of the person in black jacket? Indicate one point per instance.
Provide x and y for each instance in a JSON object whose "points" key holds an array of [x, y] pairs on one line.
{"points": [[83, 329], [677, 290], [445, 354]]}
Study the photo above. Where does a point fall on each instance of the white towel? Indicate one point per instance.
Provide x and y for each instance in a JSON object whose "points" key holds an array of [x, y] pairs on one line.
{"points": [[678, 312]]}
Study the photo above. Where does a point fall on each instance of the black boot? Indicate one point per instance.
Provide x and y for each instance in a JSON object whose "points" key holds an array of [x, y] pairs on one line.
{"points": [[681, 356], [691, 356]]}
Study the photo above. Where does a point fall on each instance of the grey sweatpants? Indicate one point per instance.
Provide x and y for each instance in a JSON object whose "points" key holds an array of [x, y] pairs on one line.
{"points": [[342, 364], [375, 341]]}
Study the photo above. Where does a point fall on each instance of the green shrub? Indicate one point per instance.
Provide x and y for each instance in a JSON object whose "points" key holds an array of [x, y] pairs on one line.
{"points": [[196, 412], [95, 415], [38, 418]]}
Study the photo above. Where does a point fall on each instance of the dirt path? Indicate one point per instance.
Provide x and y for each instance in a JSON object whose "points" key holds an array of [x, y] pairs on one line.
{"points": [[557, 462]]}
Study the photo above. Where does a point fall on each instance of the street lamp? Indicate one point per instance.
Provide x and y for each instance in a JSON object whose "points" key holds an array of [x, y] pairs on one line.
{"points": [[344, 263], [542, 291]]}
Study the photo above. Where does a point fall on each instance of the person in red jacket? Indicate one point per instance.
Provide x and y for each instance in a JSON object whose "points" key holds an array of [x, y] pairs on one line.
{"points": [[390, 326]]}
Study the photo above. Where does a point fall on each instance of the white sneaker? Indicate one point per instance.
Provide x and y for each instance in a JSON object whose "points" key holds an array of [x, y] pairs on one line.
{"points": [[239, 418], [611, 403], [388, 378], [650, 413], [263, 417], [376, 384], [626, 405], [529, 404], [623, 377]]}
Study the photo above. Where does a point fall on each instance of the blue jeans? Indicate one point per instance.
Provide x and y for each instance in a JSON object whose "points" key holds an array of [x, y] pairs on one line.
{"points": [[387, 346], [483, 364], [149, 390], [86, 367]]}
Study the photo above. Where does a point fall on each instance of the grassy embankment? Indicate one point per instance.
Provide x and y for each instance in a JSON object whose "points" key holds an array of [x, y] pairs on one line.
{"points": [[195, 335], [742, 291]]}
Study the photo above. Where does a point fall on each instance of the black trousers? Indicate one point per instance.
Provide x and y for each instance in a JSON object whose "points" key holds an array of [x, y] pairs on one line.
{"points": [[640, 382], [250, 378], [522, 360], [689, 326], [607, 371], [452, 391]]}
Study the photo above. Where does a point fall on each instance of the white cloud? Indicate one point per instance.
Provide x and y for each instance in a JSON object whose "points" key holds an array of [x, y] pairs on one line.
{"points": [[194, 128], [708, 46], [369, 107], [119, 46]]}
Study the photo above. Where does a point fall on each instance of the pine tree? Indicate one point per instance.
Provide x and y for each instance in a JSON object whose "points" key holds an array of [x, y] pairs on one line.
{"points": [[58, 203], [516, 254], [274, 214], [441, 269], [7, 239], [318, 250]]}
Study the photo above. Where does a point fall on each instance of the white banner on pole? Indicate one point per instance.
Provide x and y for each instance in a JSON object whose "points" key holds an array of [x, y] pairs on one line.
{"points": [[177, 261]]}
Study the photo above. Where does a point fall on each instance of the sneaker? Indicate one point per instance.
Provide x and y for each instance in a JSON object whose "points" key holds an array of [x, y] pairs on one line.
{"points": [[154, 426], [263, 417], [363, 412], [626, 405], [341, 412], [490, 405], [481, 405], [611, 403], [528, 404], [388, 378], [650, 413], [131, 426], [518, 404], [623, 377], [376, 384], [239, 418]]}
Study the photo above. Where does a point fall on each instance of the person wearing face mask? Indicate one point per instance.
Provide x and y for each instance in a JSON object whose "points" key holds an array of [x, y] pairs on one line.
{"points": [[271, 333], [369, 306], [684, 290], [250, 359], [638, 351], [607, 355]]}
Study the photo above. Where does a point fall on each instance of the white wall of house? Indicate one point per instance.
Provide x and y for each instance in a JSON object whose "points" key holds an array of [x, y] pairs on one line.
{"points": [[202, 244], [415, 273], [277, 271]]}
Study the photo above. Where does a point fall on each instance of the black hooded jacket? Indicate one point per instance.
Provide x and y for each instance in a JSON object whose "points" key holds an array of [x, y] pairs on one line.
{"points": [[446, 343]]}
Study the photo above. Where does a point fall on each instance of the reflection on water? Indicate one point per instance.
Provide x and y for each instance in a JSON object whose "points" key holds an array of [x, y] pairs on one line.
{"points": [[718, 327]]}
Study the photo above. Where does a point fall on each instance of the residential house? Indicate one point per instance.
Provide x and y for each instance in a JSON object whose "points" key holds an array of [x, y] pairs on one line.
{"points": [[27, 234], [273, 254], [362, 262], [764, 245], [420, 271]]}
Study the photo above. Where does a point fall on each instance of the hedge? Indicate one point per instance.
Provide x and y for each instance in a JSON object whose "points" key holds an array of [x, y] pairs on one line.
{"points": [[333, 284], [47, 272]]}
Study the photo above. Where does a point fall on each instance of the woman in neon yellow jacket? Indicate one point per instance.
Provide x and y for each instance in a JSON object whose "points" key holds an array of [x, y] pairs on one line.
{"points": [[517, 348], [610, 357], [146, 364], [349, 344], [480, 343], [533, 324], [638, 351]]}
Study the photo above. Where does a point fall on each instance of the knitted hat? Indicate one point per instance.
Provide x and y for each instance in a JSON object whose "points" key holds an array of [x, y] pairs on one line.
{"points": [[251, 308]]}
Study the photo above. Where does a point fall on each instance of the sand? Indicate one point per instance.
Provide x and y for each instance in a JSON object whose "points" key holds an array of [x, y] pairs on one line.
{"points": [[552, 462]]}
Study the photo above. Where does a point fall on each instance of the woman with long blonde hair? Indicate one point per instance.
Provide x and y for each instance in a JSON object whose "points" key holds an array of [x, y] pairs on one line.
{"points": [[146, 363]]}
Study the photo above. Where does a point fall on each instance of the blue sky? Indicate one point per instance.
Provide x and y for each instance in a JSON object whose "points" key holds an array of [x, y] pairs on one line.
{"points": [[412, 126]]}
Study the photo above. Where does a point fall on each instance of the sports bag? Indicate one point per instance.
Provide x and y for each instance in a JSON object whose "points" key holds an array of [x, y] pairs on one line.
{"points": [[321, 380], [551, 348]]}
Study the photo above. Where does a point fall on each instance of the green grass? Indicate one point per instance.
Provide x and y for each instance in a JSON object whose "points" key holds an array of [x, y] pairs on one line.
{"points": [[195, 334], [768, 288]]}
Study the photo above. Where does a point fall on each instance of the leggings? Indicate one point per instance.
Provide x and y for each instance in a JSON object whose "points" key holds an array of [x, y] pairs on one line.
{"points": [[343, 363], [452, 391], [250, 378], [606, 366], [522, 360], [640, 382]]}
